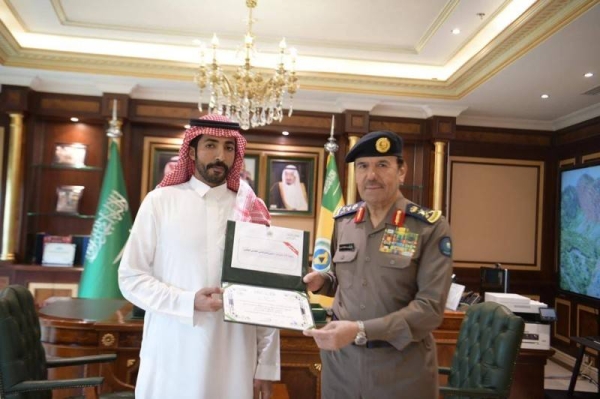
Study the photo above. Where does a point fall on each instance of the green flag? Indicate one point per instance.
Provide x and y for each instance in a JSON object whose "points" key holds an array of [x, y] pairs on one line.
{"points": [[109, 234], [332, 200]]}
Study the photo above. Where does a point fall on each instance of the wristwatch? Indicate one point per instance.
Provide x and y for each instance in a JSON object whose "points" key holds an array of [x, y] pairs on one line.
{"points": [[361, 336]]}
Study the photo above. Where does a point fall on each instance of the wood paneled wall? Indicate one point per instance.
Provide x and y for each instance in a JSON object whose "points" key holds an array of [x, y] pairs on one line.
{"points": [[46, 117]]}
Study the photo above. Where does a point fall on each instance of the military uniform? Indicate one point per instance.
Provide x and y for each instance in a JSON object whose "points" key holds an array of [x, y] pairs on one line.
{"points": [[398, 287]]}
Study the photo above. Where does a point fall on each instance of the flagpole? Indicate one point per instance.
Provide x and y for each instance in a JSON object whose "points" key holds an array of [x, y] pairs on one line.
{"points": [[114, 132]]}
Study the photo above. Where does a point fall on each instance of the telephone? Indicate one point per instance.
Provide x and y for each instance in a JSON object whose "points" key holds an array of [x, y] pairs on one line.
{"points": [[470, 298]]}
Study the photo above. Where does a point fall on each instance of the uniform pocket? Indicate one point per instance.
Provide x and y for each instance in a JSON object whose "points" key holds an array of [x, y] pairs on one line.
{"points": [[394, 261], [397, 271], [345, 266]]}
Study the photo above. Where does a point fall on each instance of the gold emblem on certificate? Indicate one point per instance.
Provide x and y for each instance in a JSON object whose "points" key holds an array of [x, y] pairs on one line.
{"points": [[399, 241]]}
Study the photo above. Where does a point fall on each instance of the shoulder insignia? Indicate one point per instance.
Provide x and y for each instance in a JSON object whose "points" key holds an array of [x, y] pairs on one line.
{"points": [[446, 246], [427, 215], [347, 210]]}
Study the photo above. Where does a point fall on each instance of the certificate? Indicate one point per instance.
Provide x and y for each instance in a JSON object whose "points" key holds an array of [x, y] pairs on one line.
{"points": [[268, 249], [262, 276], [58, 254], [267, 307]]}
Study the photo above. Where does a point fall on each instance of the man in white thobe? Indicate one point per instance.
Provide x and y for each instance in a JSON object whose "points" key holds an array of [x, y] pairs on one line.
{"points": [[171, 267]]}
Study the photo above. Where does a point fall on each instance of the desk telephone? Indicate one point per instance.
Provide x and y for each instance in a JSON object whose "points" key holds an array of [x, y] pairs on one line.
{"points": [[470, 298]]}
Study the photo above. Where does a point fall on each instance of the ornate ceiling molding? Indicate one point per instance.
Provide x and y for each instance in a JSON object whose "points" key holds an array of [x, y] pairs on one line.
{"points": [[542, 20]]}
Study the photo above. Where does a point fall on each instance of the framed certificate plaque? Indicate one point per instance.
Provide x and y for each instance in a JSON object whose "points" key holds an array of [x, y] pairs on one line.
{"points": [[262, 276]]}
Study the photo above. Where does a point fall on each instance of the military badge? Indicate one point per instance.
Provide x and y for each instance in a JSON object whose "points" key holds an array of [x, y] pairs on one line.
{"points": [[399, 241], [427, 215], [347, 210], [382, 145], [446, 246]]}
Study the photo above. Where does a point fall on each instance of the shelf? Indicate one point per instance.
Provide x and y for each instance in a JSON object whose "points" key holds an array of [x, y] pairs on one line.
{"points": [[55, 214], [38, 268], [67, 167]]}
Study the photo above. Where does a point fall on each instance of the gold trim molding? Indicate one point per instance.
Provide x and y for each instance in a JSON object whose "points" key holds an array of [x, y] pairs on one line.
{"points": [[542, 20]]}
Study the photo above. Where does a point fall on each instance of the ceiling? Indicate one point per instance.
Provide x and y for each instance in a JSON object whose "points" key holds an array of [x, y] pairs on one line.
{"points": [[388, 57]]}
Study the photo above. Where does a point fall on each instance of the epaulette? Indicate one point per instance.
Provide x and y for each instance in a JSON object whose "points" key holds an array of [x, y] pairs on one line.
{"points": [[427, 215], [348, 209]]}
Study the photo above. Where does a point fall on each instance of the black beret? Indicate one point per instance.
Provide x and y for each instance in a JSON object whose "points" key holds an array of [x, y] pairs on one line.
{"points": [[376, 144]]}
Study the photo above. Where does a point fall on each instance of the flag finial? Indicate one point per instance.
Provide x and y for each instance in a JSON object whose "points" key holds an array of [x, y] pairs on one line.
{"points": [[331, 146], [114, 125]]}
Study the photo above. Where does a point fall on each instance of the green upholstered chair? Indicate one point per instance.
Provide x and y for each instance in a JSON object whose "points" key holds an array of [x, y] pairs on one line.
{"points": [[486, 352], [23, 363]]}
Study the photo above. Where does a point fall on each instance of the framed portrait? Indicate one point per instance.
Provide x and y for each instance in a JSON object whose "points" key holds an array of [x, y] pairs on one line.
{"points": [[291, 185], [160, 157], [68, 198], [72, 154], [250, 172]]}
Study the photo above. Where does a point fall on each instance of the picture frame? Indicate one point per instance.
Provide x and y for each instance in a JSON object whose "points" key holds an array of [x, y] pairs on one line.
{"points": [[251, 170], [291, 184], [70, 154], [45, 292], [68, 198], [159, 155]]}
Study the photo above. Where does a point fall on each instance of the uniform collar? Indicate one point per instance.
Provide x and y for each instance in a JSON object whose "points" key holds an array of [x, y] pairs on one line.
{"points": [[203, 189], [400, 204]]}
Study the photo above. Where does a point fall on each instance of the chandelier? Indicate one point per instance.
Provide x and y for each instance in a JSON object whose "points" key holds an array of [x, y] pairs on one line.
{"points": [[247, 97]]}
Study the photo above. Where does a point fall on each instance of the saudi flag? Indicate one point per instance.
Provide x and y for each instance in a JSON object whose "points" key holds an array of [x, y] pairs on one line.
{"points": [[332, 200], [109, 234]]}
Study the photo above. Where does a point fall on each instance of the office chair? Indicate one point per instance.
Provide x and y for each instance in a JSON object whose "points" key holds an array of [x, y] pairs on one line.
{"points": [[23, 363], [486, 352]]}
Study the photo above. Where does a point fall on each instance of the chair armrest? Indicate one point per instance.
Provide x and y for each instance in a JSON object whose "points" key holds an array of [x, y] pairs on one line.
{"points": [[444, 370], [470, 392], [74, 361], [43, 385]]}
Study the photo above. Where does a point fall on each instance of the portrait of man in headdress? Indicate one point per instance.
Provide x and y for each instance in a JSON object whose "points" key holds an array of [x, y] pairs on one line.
{"points": [[290, 192]]}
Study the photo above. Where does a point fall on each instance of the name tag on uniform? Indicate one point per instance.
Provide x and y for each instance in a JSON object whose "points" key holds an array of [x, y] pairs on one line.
{"points": [[346, 247]]}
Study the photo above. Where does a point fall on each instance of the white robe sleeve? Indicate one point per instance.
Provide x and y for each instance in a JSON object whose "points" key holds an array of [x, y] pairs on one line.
{"points": [[136, 279], [268, 363]]}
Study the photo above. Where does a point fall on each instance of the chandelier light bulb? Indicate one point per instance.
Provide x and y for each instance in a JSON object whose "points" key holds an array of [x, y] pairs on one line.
{"points": [[246, 95]]}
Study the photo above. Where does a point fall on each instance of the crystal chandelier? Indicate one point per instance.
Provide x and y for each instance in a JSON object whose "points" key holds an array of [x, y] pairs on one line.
{"points": [[247, 97]]}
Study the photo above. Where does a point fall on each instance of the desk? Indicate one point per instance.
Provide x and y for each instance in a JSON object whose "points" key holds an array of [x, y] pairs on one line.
{"points": [[75, 327], [80, 327], [583, 342]]}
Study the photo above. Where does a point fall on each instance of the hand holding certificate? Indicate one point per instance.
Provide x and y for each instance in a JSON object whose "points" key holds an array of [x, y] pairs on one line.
{"points": [[262, 276]]}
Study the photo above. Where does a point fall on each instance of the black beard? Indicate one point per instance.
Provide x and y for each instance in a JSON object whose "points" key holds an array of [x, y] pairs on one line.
{"points": [[212, 179]]}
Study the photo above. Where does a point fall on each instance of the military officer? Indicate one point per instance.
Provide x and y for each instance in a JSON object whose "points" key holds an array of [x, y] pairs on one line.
{"points": [[390, 276]]}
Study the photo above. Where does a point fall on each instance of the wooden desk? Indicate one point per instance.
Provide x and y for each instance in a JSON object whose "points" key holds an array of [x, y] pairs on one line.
{"points": [[79, 327], [75, 327]]}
